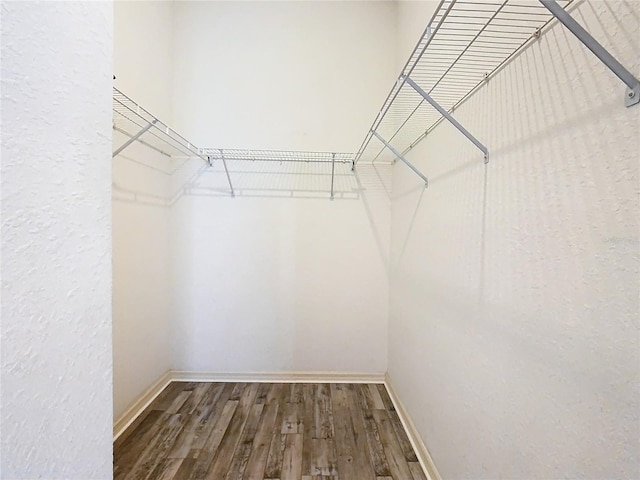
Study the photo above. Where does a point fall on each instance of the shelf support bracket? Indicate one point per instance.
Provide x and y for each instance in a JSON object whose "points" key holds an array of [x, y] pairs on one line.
{"points": [[632, 95], [333, 169], [133, 139], [448, 116], [404, 160], [224, 162]]}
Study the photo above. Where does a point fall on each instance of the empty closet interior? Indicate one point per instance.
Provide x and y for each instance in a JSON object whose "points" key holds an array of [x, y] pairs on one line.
{"points": [[439, 195]]}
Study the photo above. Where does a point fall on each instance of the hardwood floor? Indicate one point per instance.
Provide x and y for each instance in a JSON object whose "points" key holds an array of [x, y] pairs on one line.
{"points": [[234, 431]]}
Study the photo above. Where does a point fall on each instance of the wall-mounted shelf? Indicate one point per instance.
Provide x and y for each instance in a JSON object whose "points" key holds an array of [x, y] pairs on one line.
{"points": [[282, 156], [139, 125], [465, 43]]}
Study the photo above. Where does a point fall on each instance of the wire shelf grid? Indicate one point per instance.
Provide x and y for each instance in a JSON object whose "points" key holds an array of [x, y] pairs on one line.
{"points": [[276, 156], [130, 118], [465, 43]]}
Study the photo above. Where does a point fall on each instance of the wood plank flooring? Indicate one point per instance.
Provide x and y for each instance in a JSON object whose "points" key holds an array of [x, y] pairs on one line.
{"points": [[267, 431]]}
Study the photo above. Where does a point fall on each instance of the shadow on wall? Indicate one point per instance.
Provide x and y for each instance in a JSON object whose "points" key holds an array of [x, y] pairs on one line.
{"points": [[145, 176], [521, 276], [519, 129], [168, 179]]}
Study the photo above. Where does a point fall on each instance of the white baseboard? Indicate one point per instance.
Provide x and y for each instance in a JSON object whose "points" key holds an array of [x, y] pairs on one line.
{"points": [[278, 377], [140, 404], [152, 392], [414, 437]]}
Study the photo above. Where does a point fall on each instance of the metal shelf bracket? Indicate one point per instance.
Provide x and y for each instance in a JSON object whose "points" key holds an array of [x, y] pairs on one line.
{"points": [[226, 170], [333, 170], [448, 116], [632, 94], [399, 155], [133, 139]]}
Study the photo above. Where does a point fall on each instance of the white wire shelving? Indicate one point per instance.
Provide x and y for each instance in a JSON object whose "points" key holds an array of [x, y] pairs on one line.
{"points": [[464, 44], [139, 125], [317, 159]]}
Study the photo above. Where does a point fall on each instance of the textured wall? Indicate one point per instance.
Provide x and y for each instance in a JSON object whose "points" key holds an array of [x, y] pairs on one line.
{"points": [[514, 338], [55, 402], [142, 341], [269, 284], [143, 53], [281, 284], [282, 75]]}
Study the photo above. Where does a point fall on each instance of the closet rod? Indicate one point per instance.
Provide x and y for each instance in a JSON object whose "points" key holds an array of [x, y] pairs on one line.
{"points": [[632, 95]]}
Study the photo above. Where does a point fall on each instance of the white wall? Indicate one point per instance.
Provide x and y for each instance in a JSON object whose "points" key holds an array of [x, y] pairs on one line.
{"points": [[141, 177], [55, 400], [281, 284], [514, 337], [142, 59], [282, 75]]}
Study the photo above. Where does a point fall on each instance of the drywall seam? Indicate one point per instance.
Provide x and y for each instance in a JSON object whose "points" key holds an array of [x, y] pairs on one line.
{"points": [[426, 462], [142, 402]]}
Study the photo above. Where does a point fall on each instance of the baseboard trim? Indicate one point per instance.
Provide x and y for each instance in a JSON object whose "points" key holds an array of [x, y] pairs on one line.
{"points": [[414, 437], [129, 416], [279, 377]]}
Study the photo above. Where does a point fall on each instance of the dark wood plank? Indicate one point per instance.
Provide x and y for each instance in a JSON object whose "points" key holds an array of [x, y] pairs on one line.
{"points": [[233, 434], [362, 458], [323, 458], [197, 395], [371, 393], [386, 399], [416, 471], [403, 439], [376, 450], [213, 406], [276, 455], [397, 462], [186, 467], [243, 451], [130, 450], [323, 411], [257, 462], [276, 449], [167, 469], [207, 454], [167, 396], [241, 431], [308, 426], [344, 432], [263, 391], [156, 451], [292, 459], [197, 420], [179, 401]]}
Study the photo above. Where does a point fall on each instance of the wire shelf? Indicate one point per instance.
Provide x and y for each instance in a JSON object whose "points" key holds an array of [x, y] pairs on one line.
{"points": [[276, 156], [130, 119], [464, 44]]}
